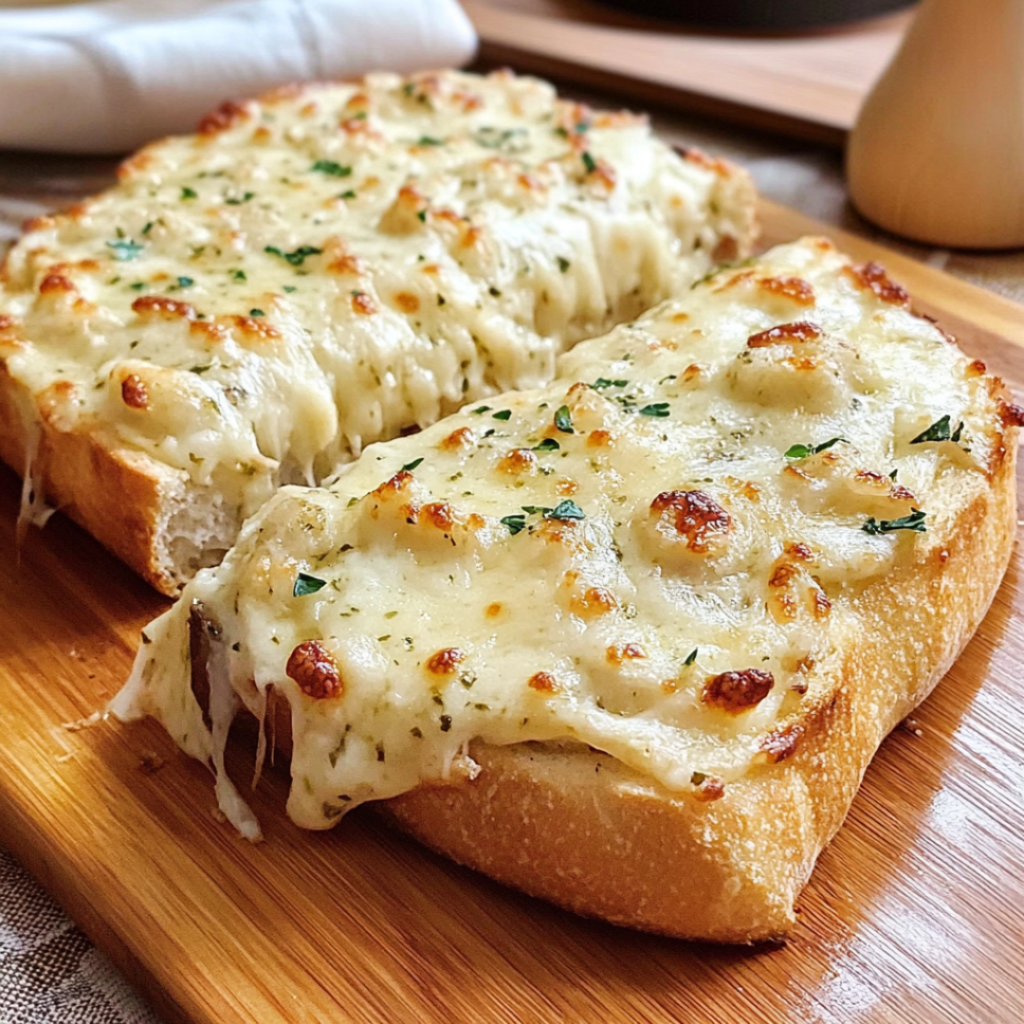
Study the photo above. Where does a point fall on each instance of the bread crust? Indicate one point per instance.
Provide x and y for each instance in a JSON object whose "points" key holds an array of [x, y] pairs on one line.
{"points": [[120, 496], [575, 827]]}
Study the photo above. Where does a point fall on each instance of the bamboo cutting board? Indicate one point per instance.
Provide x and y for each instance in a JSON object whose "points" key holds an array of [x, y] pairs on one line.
{"points": [[915, 913], [809, 85]]}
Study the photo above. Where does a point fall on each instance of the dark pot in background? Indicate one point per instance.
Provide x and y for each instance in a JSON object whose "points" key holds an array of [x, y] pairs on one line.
{"points": [[760, 14]]}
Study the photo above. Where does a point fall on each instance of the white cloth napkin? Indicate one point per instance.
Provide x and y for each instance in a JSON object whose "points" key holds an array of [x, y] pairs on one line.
{"points": [[107, 76]]}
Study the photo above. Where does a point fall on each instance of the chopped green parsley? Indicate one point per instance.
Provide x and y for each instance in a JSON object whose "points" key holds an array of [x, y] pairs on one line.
{"points": [[657, 409], [332, 168], [296, 258], [563, 420], [801, 451], [940, 431], [914, 522], [125, 249], [306, 584]]}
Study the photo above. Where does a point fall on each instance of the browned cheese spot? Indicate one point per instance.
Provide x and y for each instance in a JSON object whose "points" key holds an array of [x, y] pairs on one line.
{"points": [[358, 126], [255, 327], [745, 488], [602, 175], [440, 515], [158, 307], [737, 691], [599, 438], [314, 670], [796, 289], [493, 610], [38, 224], [696, 515], [976, 368], [460, 438], [357, 103], [593, 602], [57, 403], [399, 482], [210, 331], [134, 393], [54, 284], [407, 302], [872, 276], [786, 334], [518, 460], [701, 159], [710, 788], [224, 117], [446, 661], [472, 236], [347, 263], [783, 600], [566, 486], [800, 551], [467, 101], [618, 653], [543, 682], [1011, 414], [136, 164], [363, 304], [781, 743]]}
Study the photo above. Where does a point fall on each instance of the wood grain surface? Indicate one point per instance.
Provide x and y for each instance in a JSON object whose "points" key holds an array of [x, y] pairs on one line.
{"points": [[810, 85], [915, 913]]}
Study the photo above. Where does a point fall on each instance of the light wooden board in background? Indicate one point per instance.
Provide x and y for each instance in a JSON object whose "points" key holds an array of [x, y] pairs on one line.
{"points": [[915, 913], [810, 85]]}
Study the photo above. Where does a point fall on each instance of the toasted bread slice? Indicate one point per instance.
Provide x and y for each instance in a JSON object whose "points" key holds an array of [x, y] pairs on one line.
{"points": [[628, 641], [332, 265]]}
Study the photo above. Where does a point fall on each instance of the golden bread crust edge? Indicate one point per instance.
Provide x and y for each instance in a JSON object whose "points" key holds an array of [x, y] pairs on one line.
{"points": [[574, 827], [120, 496]]}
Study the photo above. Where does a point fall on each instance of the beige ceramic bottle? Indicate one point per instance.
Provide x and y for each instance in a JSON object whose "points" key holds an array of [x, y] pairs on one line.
{"points": [[937, 153]]}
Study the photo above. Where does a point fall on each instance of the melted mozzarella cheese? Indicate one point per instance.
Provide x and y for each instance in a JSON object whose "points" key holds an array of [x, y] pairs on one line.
{"points": [[655, 555], [337, 264]]}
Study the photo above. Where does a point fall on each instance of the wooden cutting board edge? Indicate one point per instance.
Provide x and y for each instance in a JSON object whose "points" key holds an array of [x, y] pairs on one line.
{"points": [[498, 53]]}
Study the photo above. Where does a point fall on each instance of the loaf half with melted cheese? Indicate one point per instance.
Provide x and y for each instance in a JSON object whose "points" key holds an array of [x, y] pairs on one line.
{"points": [[327, 267], [627, 641]]}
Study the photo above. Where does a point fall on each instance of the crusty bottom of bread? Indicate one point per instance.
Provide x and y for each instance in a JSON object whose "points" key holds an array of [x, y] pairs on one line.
{"points": [[576, 827]]}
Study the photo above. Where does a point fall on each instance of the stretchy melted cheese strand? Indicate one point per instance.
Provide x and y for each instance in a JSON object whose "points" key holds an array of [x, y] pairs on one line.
{"points": [[322, 269]]}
